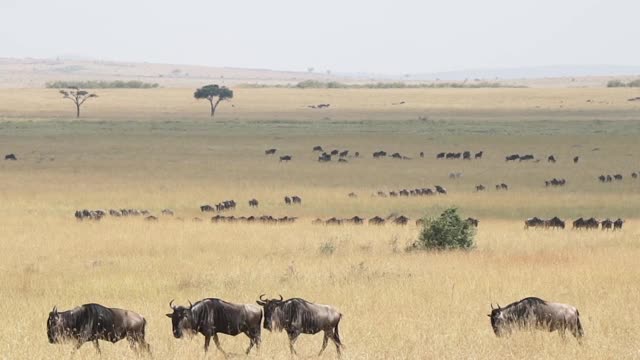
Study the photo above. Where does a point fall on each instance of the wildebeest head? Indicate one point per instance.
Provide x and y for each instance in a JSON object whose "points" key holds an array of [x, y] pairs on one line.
{"points": [[498, 321], [55, 328], [182, 320], [271, 307]]}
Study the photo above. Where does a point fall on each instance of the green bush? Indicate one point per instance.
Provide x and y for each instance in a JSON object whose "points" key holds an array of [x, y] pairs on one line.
{"points": [[446, 232]]}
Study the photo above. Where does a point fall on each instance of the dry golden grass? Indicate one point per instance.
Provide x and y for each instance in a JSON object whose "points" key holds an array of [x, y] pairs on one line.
{"points": [[396, 305], [346, 104]]}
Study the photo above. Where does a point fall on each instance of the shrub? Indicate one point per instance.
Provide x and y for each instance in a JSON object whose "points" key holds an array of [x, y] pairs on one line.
{"points": [[327, 248], [616, 83], [447, 232]]}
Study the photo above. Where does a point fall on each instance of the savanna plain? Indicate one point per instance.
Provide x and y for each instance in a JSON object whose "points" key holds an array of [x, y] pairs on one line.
{"points": [[156, 149]]}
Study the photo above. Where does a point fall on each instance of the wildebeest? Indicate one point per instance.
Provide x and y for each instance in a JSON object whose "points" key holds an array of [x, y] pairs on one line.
{"points": [[480, 187], [287, 200], [167, 212], [421, 154], [591, 223], [324, 157], [352, 195], [479, 154], [617, 177], [526, 157], [576, 159], [554, 222], [473, 222], [536, 313], [206, 208], [151, 218], [270, 151], [356, 154], [440, 155], [211, 317], [341, 160], [502, 186], [333, 221], [285, 158], [617, 225], [607, 224], [344, 153], [512, 157], [318, 148], [376, 220], [533, 222], [296, 200], [466, 155], [401, 220], [10, 157], [441, 190], [297, 316], [634, 175], [551, 159], [253, 203], [356, 220], [93, 322], [579, 223]]}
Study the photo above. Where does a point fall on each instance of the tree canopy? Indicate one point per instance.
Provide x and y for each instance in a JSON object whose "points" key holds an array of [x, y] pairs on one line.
{"points": [[215, 94]]}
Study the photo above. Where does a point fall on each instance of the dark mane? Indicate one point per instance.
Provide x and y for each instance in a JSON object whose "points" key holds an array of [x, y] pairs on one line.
{"points": [[519, 308]]}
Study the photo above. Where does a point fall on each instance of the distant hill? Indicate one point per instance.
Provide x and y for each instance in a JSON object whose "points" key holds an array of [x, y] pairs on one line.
{"points": [[35, 73]]}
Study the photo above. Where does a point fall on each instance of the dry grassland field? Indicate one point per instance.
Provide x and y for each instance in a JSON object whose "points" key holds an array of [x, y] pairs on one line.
{"points": [[156, 149]]}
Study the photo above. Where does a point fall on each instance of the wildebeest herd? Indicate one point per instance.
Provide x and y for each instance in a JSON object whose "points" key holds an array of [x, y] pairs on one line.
{"points": [[580, 223], [295, 316]]}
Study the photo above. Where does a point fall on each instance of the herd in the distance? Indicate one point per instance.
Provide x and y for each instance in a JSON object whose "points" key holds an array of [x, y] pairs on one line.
{"points": [[295, 316], [578, 224]]}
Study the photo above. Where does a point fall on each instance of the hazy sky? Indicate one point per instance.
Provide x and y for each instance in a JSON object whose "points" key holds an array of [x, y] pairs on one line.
{"points": [[397, 36]]}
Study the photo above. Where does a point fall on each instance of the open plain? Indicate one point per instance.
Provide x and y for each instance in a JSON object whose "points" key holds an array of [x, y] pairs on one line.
{"points": [[156, 149]]}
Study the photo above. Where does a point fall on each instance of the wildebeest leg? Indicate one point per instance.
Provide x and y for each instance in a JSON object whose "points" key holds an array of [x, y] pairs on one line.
{"points": [[254, 339], [97, 346], [325, 340], [207, 340], [293, 336], [217, 342]]}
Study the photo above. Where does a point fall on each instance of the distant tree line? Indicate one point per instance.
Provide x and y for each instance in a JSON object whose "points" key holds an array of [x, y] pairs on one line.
{"points": [[101, 84], [620, 83], [315, 84]]}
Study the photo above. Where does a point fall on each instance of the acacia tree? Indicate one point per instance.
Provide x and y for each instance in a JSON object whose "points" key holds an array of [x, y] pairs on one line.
{"points": [[78, 97], [215, 94]]}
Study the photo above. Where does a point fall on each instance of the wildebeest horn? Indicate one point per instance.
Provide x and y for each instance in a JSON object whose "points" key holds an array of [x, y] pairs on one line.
{"points": [[262, 298], [281, 298], [498, 306], [492, 306], [171, 304], [55, 309], [190, 304]]}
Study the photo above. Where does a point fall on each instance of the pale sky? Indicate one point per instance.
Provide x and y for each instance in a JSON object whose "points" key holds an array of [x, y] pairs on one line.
{"points": [[397, 36]]}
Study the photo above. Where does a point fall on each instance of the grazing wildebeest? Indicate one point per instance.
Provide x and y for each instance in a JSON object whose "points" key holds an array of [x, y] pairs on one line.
{"points": [[403, 192], [473, 222], [341, 160], [393, 194], [441, 190], [211, 317], [617, 177], [10, 157], [579, 223], [296, 200], [401, 220], [551, 159], [333, 221], [356, 220], [287, 200], [396, 156], [115, 213], [93, 322], [335, 152], [285, 158], [167, 212], [576, 159], [591, 223], [602, 178], [356, 154], [617, 225], [318, 148], [324, 157], [253, 203], [479, 154], [421, 154], [270, 151], [317, 221], [533, 222], [151, 218], [512, 157], [634, 175], [344, 153], [379, 154], [298, 316], [554, 222], [536, 313], [607, 224], [352, 195], [206, 208], [526, 157], [609, 178], [440, 155], [376, 220], [502, 186], [466, 155]]}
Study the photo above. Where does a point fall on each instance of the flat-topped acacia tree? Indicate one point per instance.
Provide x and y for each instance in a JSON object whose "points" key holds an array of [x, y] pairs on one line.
{"points": [[215, 94], [78, 97]]}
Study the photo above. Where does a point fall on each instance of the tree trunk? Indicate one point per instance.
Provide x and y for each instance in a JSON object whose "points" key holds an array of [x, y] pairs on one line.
{"points": [[214, 107], [77, 110]]}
